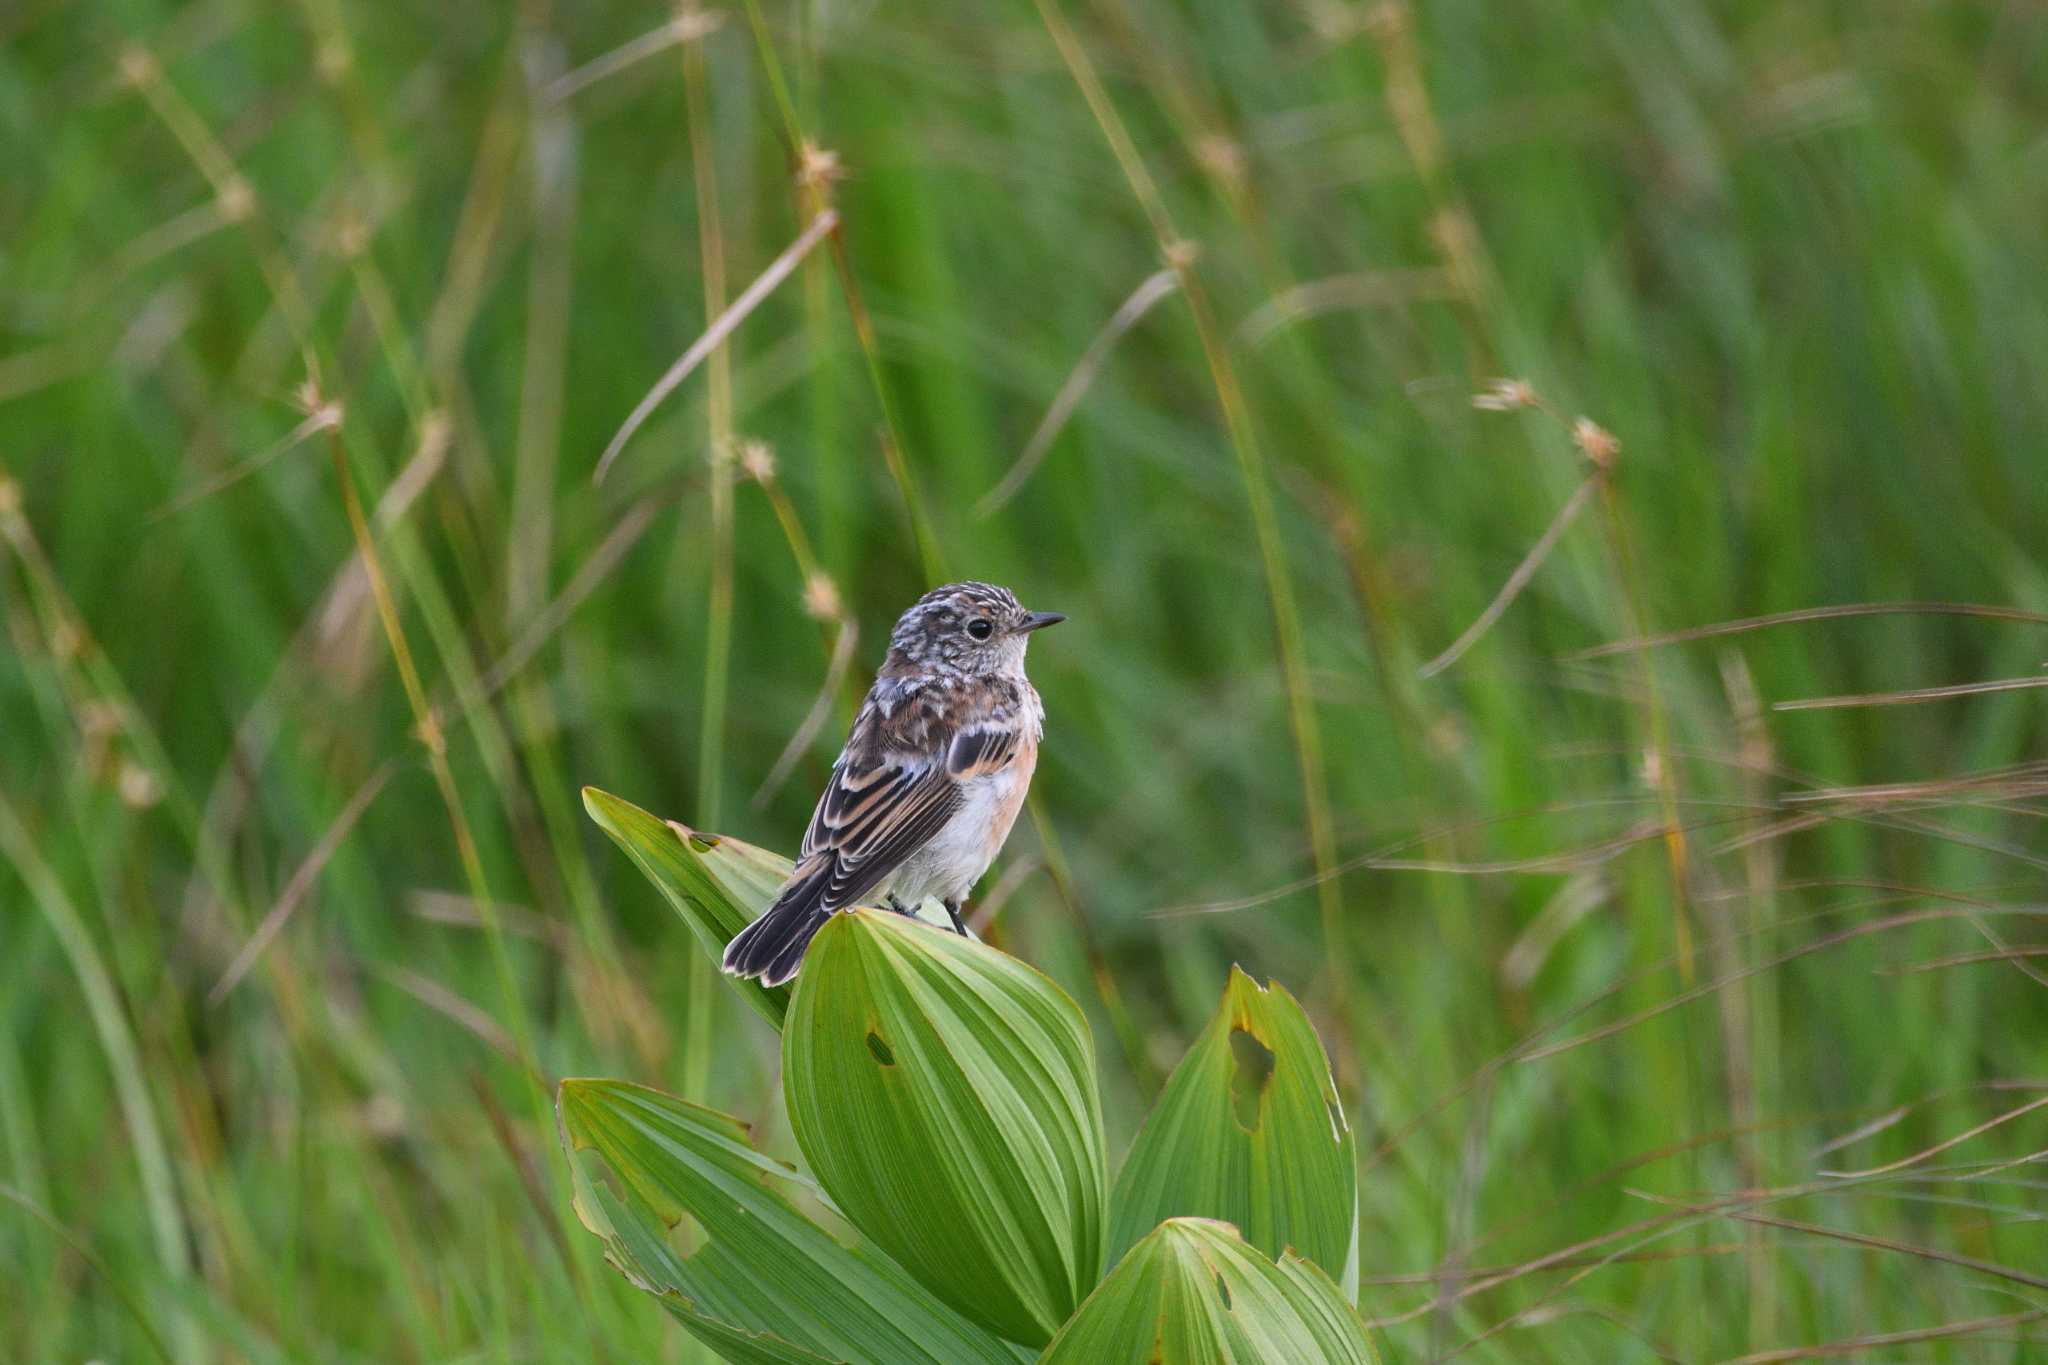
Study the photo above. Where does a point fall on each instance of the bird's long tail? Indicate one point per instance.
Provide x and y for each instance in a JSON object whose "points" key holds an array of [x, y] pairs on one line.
{"points": [[772, 947]]}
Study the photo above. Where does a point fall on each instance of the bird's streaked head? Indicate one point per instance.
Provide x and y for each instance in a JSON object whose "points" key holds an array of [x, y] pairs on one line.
{"points": [[975, 629]]}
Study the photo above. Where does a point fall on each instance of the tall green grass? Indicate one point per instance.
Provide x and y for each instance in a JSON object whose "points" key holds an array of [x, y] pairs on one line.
{"points": [[1789, 256]]}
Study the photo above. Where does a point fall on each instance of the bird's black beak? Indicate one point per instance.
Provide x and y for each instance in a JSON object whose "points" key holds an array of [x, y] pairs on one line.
{"points": [[1039, 620]]}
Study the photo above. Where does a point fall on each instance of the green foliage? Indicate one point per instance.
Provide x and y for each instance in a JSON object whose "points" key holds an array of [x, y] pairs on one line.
{"points": [[1789, 254], [718, 884], [944, 1095], [1191, 1292], [768, 1284], [1249, 1131]]}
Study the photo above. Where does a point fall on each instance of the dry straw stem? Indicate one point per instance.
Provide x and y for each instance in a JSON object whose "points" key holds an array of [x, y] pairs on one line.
{"points": [[1155, 287], [687, 26], [1180, 255], [815, 718], [821, 598], [322, 418], [432, 739], [1452, 226], [1688, 1215], [233, 193], [1517, 580], [1910, 696], [1440, 1273], [1602, 451], [816, 168], [1968, 960], [1576, 1255], [471, 1017], [1863, 1345], [1382, 858], [1742, 1207], [1693, 993], [1358, 289], [1842, 611], [721, 327], [451, 314], [1530, 1045], [596, 567], [1916, 1158], [718, 603], [301, 882]]}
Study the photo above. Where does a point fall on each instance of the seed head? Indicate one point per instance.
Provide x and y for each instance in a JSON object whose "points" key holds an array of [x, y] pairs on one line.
{"points": [[1595, 442], [351, 236], [332, 60], [1505, 395], [817, 167], [758, 460], [138, 786], [821, 598], [138, 66], [237, 200], [1223, 157]]}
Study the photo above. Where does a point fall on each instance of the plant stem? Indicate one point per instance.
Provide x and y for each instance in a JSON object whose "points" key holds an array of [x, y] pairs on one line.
{"points": [[1237, 418]]}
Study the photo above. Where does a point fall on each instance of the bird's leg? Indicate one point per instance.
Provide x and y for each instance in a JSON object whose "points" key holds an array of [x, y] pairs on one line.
{"points": [[953, 909], [898, 906]]}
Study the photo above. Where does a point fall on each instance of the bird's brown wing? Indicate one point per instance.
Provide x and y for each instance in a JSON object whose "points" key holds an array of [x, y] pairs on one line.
{"points": [[983, 750], [890, 792], [895, 785]]}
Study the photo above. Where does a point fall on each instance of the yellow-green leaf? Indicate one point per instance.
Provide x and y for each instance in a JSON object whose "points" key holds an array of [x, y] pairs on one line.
{"points": [[1249, 1130], [1192, 1292], [718, 884], [767, 1286], [944, 1095]]}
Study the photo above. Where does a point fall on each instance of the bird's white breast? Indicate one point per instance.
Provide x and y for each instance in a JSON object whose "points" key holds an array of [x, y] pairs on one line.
{"points": [[949, 865]]}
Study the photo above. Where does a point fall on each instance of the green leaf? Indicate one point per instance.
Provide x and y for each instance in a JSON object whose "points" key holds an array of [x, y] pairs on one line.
{"points": [[767, 1286], [718, 884], [1194, 1293], [1249, 1130], [944, 1094]]}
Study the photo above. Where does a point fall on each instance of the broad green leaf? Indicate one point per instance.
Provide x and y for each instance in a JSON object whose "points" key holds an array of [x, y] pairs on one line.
{"points": [[1194, 1293], [767, 1286], [944, 1095], [1249, 1130], [718, 884]]}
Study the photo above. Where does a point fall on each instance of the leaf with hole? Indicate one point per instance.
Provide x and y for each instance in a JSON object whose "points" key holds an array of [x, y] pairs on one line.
{"points": [[1249, 1130], [767, 1286], [944, 1095], [1192, 1292]]}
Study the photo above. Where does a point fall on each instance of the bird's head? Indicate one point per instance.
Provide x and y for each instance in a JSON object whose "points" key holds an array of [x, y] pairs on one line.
{"points": [[975, 629]]}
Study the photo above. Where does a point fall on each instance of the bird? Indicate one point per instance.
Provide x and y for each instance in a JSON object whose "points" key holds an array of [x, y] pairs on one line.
{"points": [[932, 776]]}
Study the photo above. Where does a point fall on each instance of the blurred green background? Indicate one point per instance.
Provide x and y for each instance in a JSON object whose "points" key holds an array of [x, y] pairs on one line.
{"points": [[275, 1052]]}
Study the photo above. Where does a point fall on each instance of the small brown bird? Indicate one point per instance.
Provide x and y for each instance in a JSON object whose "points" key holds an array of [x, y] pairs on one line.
{"points": [[930, 780]]}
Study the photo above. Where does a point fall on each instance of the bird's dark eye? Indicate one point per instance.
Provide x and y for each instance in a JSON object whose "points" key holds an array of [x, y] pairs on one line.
{"points": [[981, 628]]}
